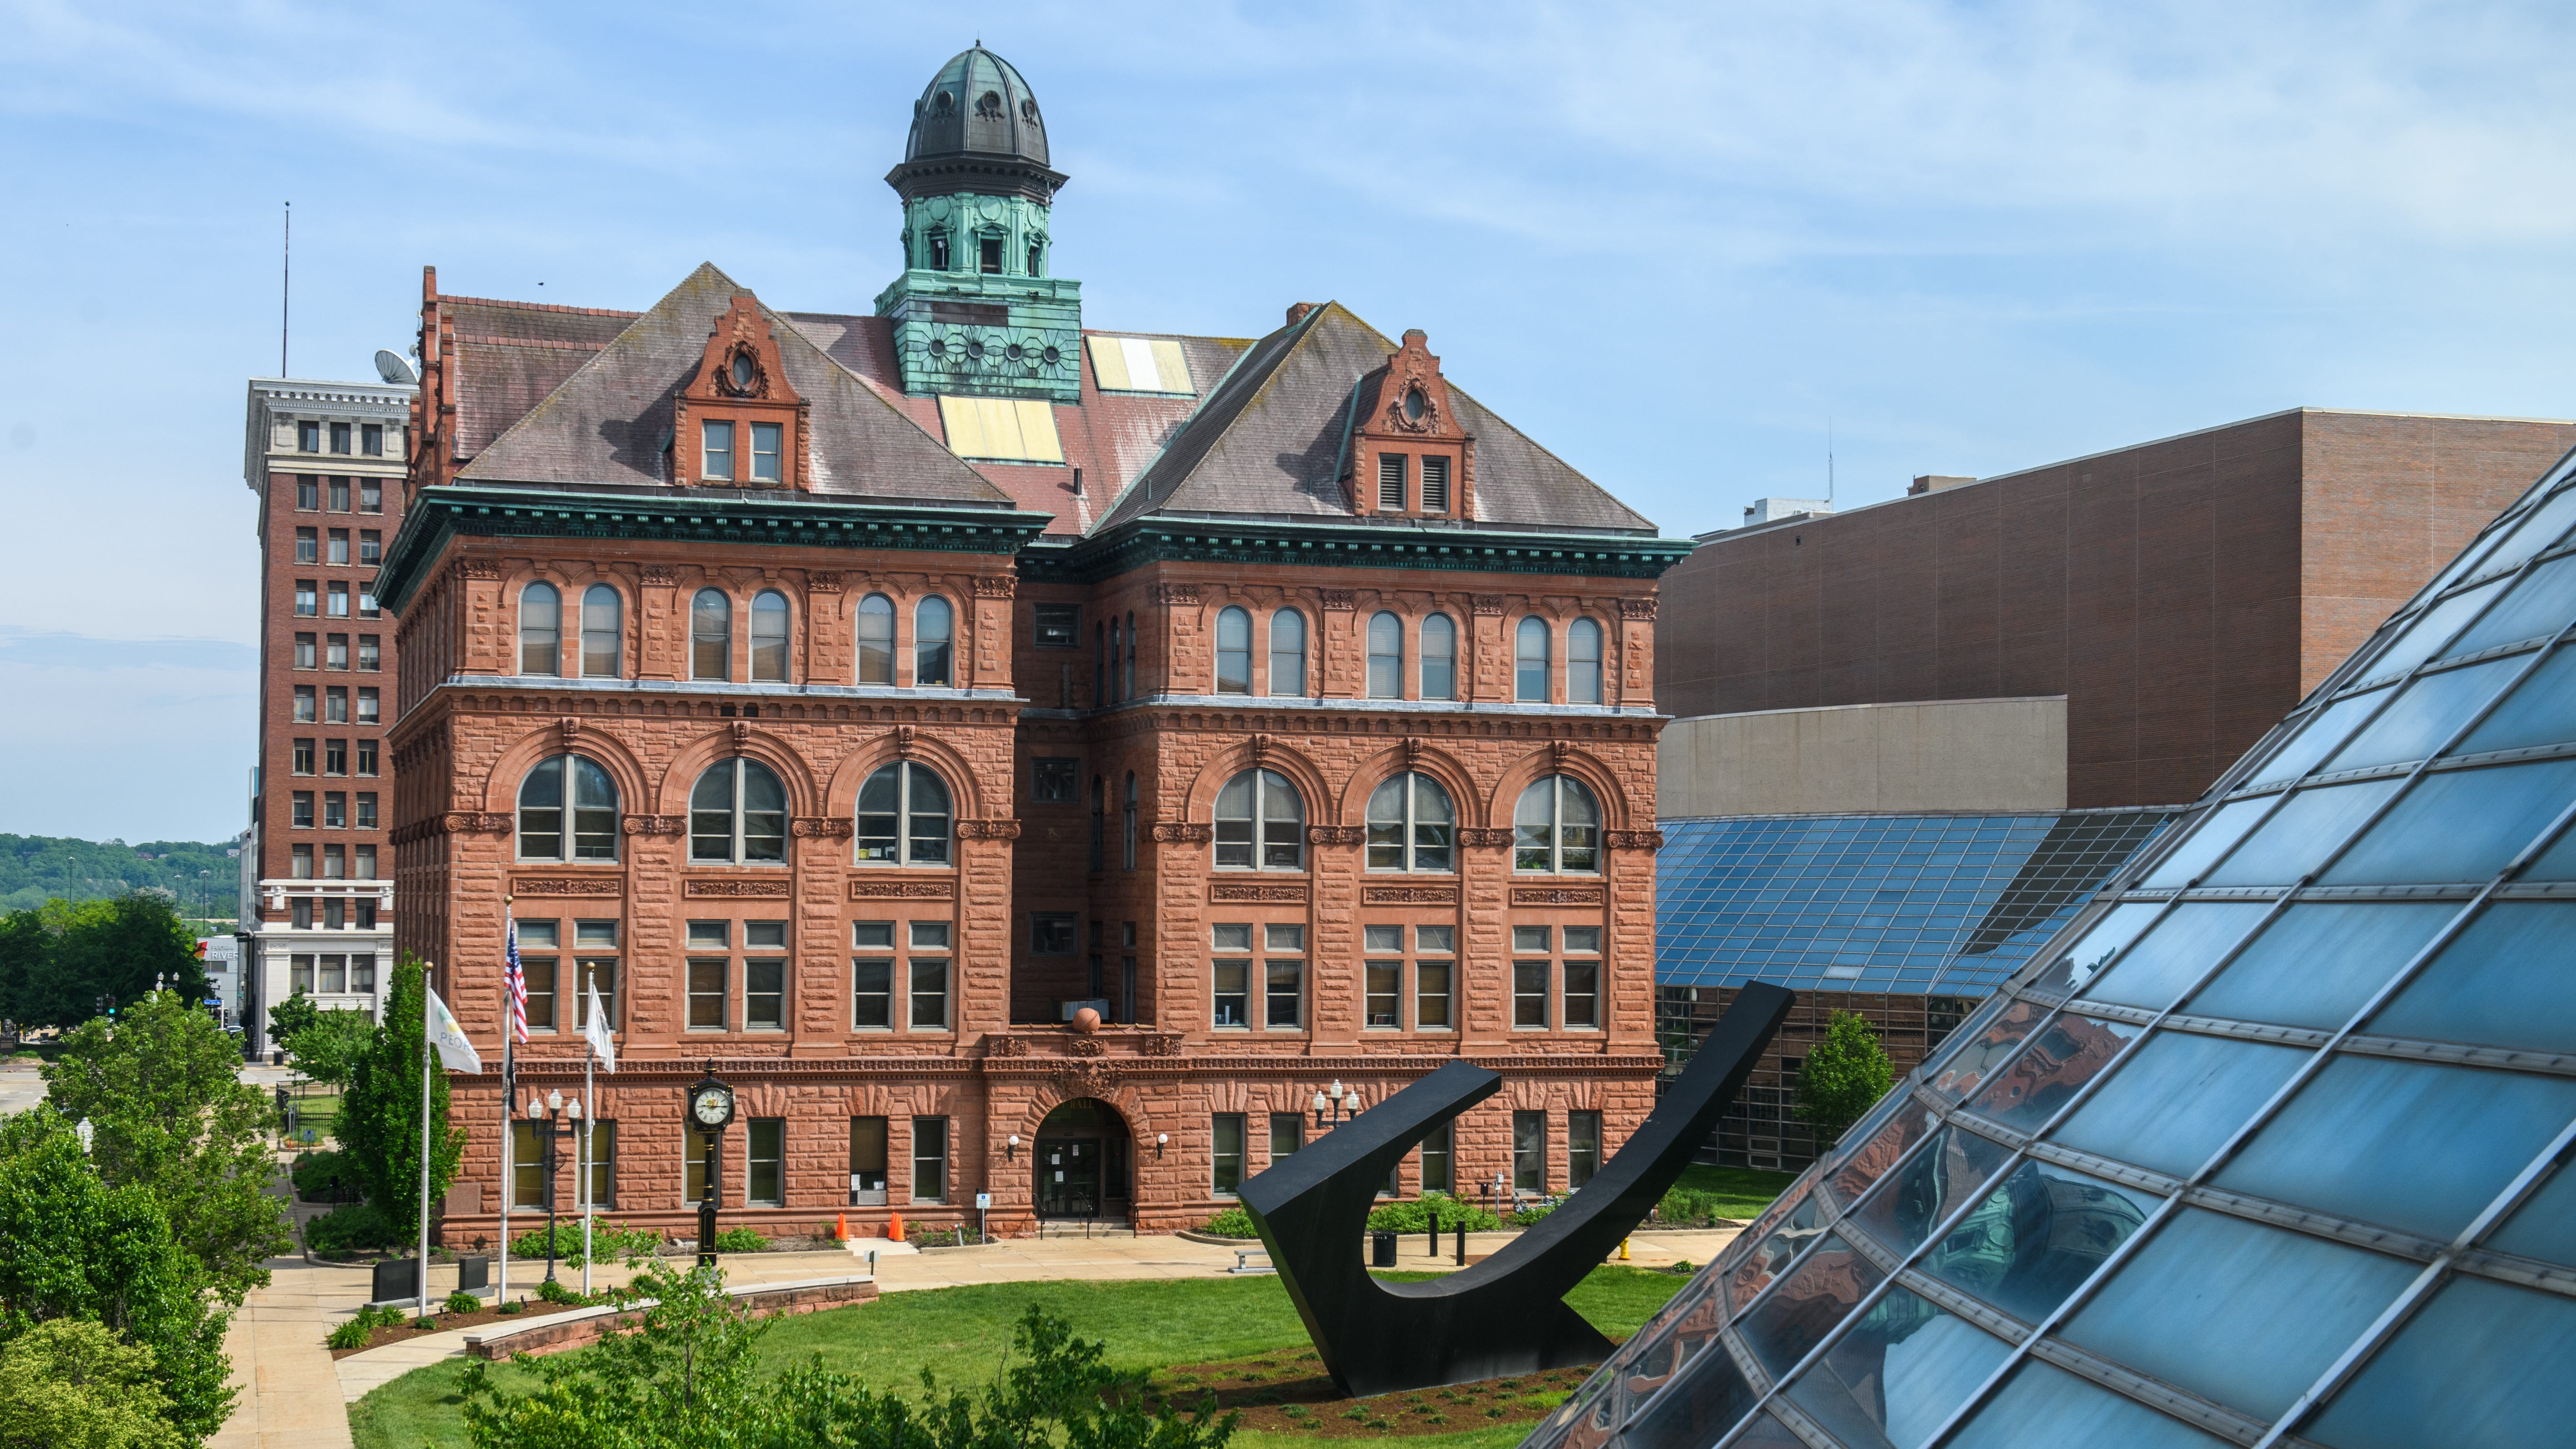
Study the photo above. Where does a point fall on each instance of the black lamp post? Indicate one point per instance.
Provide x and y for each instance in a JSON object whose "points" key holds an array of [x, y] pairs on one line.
{"points": [[1340, 1105], [711, 1109], [553, 1130]]}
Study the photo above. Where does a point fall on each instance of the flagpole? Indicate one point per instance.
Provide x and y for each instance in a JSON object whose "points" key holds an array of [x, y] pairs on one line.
{"points": [[424, 1140], [509, 1109], [589, 1116]]}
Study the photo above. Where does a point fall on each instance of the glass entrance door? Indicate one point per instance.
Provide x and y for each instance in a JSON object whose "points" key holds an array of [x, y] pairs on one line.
{"points": [[1069, 1177]]}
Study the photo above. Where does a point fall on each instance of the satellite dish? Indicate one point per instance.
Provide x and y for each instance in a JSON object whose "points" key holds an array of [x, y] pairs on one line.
{"points": [[393, 369]]}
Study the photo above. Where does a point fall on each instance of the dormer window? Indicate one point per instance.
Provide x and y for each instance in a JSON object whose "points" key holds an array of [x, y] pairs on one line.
{"points": [[939, 250], [1435, 484], [1390, 482], [719, 451], [764, 448], [1413, 405], [990, 262]]}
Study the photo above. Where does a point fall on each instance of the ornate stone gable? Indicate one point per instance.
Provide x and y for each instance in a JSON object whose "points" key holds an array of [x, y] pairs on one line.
{"points": [[740, 385], [1408, 455]]}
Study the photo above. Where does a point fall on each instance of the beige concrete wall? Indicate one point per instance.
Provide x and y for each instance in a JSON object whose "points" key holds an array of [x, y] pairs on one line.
{"points": [[1932, 755]]}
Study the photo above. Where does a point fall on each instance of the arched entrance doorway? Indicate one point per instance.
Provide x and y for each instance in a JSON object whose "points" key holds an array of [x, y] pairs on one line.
{"points": [[1084, 1162]]}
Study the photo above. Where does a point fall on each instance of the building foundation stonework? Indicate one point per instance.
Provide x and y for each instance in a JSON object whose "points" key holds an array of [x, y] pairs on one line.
{"points": [[1006, 808]]}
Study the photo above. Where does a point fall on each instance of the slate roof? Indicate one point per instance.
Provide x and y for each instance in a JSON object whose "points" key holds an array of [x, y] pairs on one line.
{"points": [[509, 355], [607, 422], [1268, 443]]}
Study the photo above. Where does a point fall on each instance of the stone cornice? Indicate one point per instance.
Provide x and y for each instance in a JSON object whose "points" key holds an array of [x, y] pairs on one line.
{"points": [[1264, 543]]}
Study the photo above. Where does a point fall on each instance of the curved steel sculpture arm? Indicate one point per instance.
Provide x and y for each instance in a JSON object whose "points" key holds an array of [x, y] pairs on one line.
{"points": [[1507, 1314]]}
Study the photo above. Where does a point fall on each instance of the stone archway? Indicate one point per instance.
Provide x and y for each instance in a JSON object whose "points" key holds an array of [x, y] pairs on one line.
{"points": [[1083, 1163]]}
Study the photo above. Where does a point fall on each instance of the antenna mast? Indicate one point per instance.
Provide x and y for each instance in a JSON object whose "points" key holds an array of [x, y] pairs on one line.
{"points": [[285, 287], [1829, 460]]}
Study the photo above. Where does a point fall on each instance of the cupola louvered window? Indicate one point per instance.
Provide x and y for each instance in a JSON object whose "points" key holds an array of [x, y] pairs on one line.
{"points": [[1390, 482], [1435, 485]]}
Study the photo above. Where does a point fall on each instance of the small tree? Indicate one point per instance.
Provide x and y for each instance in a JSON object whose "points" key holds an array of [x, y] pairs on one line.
{"points": [[380, 1113], [1844, 1076], [71, 1384], [328, 1049], [294, 1014], [115, 948]]}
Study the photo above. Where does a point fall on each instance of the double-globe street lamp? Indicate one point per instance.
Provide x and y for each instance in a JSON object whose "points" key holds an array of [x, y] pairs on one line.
{"points": [[1332, 1099], [546, 1115]]}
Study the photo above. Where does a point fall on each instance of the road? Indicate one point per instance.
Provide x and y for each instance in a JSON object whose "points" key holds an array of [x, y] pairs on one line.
{"points": [[20, 1086]]}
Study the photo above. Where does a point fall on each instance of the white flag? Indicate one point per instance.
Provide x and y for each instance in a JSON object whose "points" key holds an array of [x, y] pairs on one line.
{"points": [[594, 1029], [449, 1038]]}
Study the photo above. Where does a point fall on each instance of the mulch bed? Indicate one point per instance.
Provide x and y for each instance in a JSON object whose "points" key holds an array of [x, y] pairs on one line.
{"points": [[1289, 1393], [378, 1338]]}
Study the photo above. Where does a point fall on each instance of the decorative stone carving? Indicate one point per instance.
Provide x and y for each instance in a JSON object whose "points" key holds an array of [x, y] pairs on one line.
{"points": [[1486, 604], [1341, 600], [822, 827], [1559, 751], [659, 576], [1183, 594], [468, 822], [903, 890], [1183, 832], [1408, 895], [1159, 1044], [905, 736], [1009, 1046], [1336, 834], [1483, 837], [1086, 1046], [741, 733], [1260, 746], [560, 885], [480, 568], [1413, 752], [1086, 1078], [988, 830], [571, 728], [825, 581], [1556, 895], [1637, 608], [1633, 839], [655, 824], [1245, 892], [995, 586], [735, 889]]}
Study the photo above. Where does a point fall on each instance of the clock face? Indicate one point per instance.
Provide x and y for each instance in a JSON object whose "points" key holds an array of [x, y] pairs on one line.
{"points": [[712, 1106]]}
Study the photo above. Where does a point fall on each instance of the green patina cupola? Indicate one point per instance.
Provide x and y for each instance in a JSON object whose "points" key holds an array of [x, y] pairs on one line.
{"points": [[976, 310]]}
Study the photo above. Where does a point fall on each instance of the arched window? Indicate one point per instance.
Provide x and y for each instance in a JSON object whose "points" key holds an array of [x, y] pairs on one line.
{"points": [[603, 632], [769, 637], [1439, 658], [1556, 827], [1287, 653], [1260, 819], [738, 814], [540, 630], [876, 640], [933, 642], [541, 811], [904, 816], [711, 635], [1529, 661], [1583, 662], [1385, 656], [1128, 829], [1411, 825], [1233, 652], [1128, 691]]}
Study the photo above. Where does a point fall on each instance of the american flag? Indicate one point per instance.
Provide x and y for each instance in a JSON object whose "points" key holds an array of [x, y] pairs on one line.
{"points": [[516, 978]]}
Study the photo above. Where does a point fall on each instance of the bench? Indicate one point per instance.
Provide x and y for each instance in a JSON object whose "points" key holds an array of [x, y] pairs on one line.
{"points": [[1243, 1261]]}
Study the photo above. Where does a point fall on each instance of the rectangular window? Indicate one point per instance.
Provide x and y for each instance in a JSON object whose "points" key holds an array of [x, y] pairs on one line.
{"points": [[707, 993], [299, 911], [867, 1162], [1225, 1176], [339, 601], [596, 972], [1287, 1134], [1435, 485], [369, 701], [1431, 996], [366, 757], [308, 492], [1529, 1152], [371, 546], [766, 1186], [719, 451], [600, 1162], [1390, 482], [701, 1146], [307, 598], [1582, 1148], [335, 704], [340, 437], [367, 606], [308, 436], [1582, 993], [366, 815], [306, 654], [301, 803], [988, 256], [371, 495], [930, 1159], [1437, 1155], [362, 975], [1059, 626], [872, 975], [1529, 994], [366, 870], [1385, 995], [764, 452], [339, 495], [371, 439], [302, 868], [1233, 1001], [1283, 994], [335, 651], [929, 993], [335, 866], [335, 975], [528, 1164], [340, 547], [335, 809], [364, 912], [304, 757], [539, 972], [335, 757], [764, 995], [1055, 781], [370, 653], [308, 545], [1051, 933]]}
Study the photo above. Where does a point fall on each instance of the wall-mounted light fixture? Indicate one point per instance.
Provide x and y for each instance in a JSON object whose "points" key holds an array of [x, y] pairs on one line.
{"points": [[1011, 1148], [1160, 1138]]}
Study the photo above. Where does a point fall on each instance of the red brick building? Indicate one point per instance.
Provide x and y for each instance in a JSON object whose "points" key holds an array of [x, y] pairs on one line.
{"points": [[326, 462], [2180, 594], [858, 698]]}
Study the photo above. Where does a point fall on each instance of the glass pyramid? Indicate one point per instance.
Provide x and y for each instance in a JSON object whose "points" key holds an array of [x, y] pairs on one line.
{"points": [[2263, 1148]]}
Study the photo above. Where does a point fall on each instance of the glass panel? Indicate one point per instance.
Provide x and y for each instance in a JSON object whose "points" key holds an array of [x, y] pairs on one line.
{"points": [[2426, 713], [2315, 965], [1773, 1247], [2509, 544], [2544, 1227], [1930, 1185], [2429, 632], [2540, 712], [2042, 1404], [2539, 605], [2482, 1366], [2409, 1144], [2065, 1054], [1881, 1151], [2037, 1237], [1711, 1396], [1899, 1373], [2299, 835], [2178, 1100], [1979, 1051], [2459, 825], [2217, 830], [1802, 1310], [2178, 952], [2113, 931], [2236, 1311], [2325, 730]]}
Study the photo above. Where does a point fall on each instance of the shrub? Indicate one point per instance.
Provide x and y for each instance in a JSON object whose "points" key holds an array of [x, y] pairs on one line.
{"points": [[1416, 1216], [1231, 1222], [941, 1235], [362, 1326], [740, 1240], [463, 1302], [554, 1292], [350, 1229], [607, 1240], [1529, 1216], [1688, 1207], [324, 1176]]}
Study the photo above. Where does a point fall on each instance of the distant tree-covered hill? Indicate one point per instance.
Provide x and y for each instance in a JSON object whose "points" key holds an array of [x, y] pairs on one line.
{"points": [[36, 868]]}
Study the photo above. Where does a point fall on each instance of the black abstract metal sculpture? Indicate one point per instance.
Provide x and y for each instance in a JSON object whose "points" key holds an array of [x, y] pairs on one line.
{"points": [[1507, 1314]]}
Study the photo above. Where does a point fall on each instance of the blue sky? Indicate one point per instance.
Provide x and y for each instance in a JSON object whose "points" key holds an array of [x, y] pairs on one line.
{"points": [[1671, 242]]}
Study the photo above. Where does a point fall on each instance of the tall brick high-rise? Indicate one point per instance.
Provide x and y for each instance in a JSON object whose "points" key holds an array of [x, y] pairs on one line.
{"points": [[1023, 759], [326, 461]]}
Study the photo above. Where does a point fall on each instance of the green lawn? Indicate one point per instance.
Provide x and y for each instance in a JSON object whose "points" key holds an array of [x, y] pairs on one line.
{"points": [[959, 1334], [1746, 1191]]}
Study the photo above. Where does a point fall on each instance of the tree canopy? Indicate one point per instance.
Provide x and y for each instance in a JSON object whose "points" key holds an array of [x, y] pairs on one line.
{"points": [[204, 881], [380, 1112], [57, 960], [1844, 1076]]}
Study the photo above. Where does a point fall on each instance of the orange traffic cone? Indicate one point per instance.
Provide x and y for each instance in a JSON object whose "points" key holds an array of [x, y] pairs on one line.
{"points": [[895, 1230], [841, 1229]]}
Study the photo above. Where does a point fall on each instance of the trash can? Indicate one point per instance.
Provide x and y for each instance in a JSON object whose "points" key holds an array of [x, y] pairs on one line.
{"points": [[1381, 1250]]}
